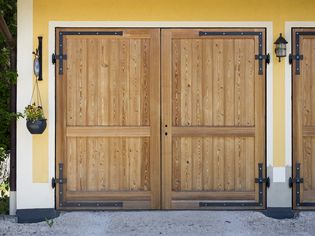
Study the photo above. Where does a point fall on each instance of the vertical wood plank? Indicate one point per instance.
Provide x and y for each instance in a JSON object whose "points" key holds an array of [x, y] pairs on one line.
{"points": [[134, 87], [196, 83], [229, 162], [145, 83], [186, 72], [239, 163], [207, 90], [155, 120], [197, 163], [114, 163], [306, 170], [114, 83], [218, 83], [239, 82], [186, 164], [103, 167], [92, 164], [80, 75], [197, 116], [71, 83], [103, 85], [92, 81], [208, 162], [177, 83], [218, 113], [228, 60], [145, 164], [176, 165], [306, 67], [218, 163], [166, 96], [124, 60], [81, 164], [249, 85], [125, 166], [135, 163], [249, 164], [72, 164]]}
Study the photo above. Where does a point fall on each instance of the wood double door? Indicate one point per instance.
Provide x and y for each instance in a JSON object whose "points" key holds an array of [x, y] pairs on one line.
{"points": [[160, 118]]}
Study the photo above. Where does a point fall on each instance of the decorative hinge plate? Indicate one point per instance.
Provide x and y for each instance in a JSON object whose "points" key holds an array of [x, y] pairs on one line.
{"points": [[295, 57], [55, 181], [55, 57], [263, 57], [263, 180]]}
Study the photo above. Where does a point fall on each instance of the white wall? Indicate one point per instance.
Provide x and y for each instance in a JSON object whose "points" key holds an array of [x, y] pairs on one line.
{"points": [[29, 194]]}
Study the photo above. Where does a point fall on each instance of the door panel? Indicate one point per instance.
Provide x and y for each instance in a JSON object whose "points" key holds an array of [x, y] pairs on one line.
{"points": [[213, 112], [304, 118], [108, 111]]}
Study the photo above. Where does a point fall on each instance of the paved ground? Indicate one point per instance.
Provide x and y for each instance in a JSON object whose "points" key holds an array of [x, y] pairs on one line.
{"points": [[165, 223]]}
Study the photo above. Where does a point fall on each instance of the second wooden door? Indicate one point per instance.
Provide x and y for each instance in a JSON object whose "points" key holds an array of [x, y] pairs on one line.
{"points": [[303, 70], [213, 118]]}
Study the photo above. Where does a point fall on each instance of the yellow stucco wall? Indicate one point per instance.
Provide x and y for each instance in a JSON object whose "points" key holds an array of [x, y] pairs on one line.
{"points": [[277, 11]]}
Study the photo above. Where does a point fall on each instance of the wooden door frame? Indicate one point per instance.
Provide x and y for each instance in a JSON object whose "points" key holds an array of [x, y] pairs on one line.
{"points": [[142, 24], [289, 99], [290, 74]]}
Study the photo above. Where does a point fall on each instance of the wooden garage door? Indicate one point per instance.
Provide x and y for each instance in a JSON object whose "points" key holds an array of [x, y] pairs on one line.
{"points": [[303, 71], [108, 118], [213, 118]]}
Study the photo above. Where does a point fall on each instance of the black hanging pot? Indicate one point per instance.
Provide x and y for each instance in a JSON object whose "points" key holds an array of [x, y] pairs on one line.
{"points": [[36, 126]]}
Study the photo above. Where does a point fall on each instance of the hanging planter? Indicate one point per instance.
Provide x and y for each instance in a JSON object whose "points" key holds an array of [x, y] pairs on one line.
{"points": [[35, 119]]}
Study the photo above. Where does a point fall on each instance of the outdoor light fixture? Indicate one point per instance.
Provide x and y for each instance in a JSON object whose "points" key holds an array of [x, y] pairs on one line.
{"points": [[37, 64], [281, 47]]}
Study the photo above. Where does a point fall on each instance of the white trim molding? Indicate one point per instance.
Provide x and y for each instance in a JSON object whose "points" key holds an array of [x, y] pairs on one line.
{"points": [[177, 24]]}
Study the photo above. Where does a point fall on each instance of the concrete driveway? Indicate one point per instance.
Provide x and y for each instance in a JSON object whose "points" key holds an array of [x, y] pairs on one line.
{"points": [[165, 223]]}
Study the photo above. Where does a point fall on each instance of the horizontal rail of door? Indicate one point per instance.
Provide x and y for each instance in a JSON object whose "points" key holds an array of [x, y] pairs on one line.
{"points": [[213, 195], [99, 196], [213, 131], [112, 131], [205, 205]]}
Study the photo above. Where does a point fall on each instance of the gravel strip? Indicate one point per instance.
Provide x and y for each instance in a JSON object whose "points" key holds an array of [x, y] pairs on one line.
{"points": [[164, 223]]}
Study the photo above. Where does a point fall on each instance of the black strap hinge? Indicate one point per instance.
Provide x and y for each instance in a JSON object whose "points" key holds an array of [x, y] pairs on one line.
{"points": [[263, 180], [295, 57], [55, 57], [261, 57], [55, 181], [295, 181]]}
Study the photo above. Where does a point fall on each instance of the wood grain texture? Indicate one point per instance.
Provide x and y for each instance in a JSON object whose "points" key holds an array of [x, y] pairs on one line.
{"points": [[304, 118], [108, 116], [213, 109]]}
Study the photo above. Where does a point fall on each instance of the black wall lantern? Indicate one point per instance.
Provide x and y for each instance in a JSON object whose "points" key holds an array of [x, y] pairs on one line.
{"points": [[38, 59], [281, 47]]}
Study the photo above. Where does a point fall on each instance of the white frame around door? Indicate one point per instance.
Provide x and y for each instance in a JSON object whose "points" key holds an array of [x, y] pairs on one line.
{"points": [[157, 24]]}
